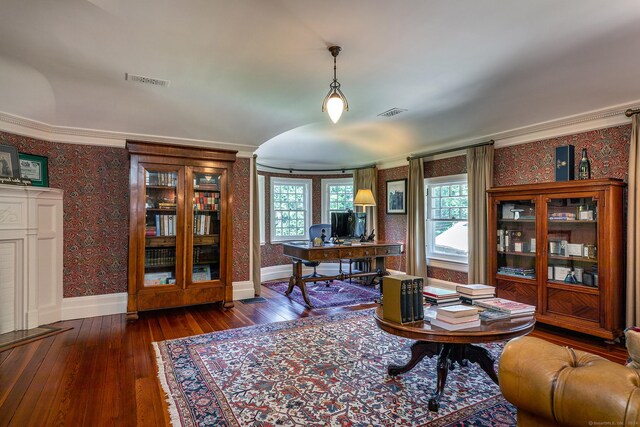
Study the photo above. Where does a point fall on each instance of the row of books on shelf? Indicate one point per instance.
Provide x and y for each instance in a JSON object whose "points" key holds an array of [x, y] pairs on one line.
{"points": [[161, 256], [202, 225], [402, 300], [165, 225], [206, 201], [205, 255], [165, 179]]}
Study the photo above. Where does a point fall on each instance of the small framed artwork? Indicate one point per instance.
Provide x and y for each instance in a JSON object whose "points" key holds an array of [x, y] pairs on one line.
{"points": [[35, 168], [9, 165], [397, 196]]}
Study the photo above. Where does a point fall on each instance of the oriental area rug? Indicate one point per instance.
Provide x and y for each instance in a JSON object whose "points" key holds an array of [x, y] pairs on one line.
{"points": [[318, 371], [338, 293]]}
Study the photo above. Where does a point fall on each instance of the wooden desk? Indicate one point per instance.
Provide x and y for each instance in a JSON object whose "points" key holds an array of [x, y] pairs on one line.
{"points": [[452, 346], [306, 251]]}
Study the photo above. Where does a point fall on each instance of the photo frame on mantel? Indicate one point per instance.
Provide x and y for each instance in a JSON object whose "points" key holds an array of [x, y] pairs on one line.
{"points": [[397, 196], [35, 168], [9, 165]]}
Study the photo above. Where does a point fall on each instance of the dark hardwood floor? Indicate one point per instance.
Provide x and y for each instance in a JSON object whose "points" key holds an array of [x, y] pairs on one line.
{"points": [[103, 371]]}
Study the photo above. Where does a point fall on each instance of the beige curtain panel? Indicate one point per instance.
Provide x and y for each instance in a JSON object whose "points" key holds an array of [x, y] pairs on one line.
{"points": [[633, 228], [255, 228], [416, 245], [480, 179], [367, 179]]}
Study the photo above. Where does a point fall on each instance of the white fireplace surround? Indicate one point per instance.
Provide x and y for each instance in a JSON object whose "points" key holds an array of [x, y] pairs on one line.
{"points": [[31, 245]]}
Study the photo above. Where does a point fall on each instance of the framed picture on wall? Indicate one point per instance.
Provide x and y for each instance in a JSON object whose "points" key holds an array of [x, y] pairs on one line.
{"points": [[35, 168], [9, 166], [397, 196]]}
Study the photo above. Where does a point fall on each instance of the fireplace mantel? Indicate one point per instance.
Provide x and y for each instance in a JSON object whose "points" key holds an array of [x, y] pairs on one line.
{"points": [[31, 262]]}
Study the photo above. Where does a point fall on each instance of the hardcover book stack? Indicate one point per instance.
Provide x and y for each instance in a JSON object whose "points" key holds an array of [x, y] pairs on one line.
{"points": [[512, 308], [402, 298], [473, 292], [441, 297], [456, 317]]}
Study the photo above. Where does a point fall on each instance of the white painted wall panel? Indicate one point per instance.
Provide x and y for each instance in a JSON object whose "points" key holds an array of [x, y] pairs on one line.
{"points": [[8, 284]]}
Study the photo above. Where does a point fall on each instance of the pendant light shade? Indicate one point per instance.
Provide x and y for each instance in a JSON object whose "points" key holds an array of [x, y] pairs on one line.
{"points": [[335, 102]]}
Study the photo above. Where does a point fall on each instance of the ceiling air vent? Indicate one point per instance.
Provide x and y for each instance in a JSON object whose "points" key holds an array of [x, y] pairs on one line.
{"points": [[146, 80], [392, 112]]}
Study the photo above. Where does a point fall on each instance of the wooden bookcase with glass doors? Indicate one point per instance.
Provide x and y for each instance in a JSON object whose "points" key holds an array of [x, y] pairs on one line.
{"points": [[180, 227], [559, 246]]}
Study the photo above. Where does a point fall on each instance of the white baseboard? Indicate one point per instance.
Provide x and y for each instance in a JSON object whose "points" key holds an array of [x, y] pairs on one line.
{"points": [[94, 305], [284, 271], [243, 290], [108, 304]]}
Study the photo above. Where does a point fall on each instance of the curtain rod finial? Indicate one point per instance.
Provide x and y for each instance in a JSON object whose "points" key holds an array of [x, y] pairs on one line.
{"points": [[631, 112], [255, 156]]}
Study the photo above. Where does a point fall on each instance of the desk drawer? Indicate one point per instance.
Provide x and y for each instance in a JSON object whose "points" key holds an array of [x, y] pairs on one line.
{"points": [[389, 250], [357, 252], [324, 255]]}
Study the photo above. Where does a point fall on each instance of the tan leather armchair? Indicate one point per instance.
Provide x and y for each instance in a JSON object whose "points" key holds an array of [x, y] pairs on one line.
{"points": [[558, 386]]}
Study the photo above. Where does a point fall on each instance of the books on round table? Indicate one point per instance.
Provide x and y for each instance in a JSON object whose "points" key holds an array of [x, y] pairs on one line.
{"points": [[505, 305], [456, 317], [475, 289]]}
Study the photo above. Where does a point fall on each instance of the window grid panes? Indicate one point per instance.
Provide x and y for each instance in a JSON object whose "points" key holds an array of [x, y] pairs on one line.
{"points": [[289, 210], [340, 198], [447, 226]]}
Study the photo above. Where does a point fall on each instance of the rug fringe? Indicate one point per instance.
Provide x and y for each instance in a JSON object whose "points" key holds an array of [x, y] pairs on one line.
{"points": [[173, 409]]}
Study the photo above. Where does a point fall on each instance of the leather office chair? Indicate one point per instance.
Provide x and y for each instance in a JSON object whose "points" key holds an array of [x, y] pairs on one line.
{"points": [[316, 231]]}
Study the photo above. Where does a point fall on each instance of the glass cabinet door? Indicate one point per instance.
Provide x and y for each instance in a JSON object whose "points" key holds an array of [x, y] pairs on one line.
{"points": [[206, 217], [161, 227], [516, 239], [572, 227]]}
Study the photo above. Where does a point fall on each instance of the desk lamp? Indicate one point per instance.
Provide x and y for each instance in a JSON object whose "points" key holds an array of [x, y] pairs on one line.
{"points": [[364, 198]]}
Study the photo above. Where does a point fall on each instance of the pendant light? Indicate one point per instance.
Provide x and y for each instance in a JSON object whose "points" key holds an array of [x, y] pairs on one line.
{"points": [[335, 102]]}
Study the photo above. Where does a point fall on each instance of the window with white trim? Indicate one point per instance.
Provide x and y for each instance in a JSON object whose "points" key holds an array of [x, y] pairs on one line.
{"points": [[290, 209], [337, 196], [261, 207], [447, 212]]}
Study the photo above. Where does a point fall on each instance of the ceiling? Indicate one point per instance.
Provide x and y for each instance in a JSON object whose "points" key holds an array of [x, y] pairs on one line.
{"points": [[253, 73]]}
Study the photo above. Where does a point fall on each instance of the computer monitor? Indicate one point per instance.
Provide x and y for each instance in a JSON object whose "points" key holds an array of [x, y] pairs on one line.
{"points": [[348, 224]]}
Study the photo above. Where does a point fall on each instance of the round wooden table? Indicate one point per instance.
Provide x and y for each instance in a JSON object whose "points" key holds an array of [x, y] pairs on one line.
{"points": [[452, 346]]}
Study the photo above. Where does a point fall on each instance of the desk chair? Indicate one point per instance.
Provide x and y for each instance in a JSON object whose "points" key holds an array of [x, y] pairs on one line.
{"points": [[316, 231]]}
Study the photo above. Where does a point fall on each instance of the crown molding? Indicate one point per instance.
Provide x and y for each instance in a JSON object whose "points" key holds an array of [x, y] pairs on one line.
{"points": [[71, 135], [584, 122]]}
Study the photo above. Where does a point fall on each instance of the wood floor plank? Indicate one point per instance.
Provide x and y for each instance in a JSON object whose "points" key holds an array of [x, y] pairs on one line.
{"points": [[35, 405], [104, 371], [27, 371]]}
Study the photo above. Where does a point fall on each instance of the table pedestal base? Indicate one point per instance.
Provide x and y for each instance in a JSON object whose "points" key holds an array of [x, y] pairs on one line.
{"points": [[447, 353]]}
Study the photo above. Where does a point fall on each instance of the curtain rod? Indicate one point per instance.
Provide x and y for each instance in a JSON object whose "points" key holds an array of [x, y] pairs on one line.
{"points": [[631, 112], [291, 170], [451, 150]]}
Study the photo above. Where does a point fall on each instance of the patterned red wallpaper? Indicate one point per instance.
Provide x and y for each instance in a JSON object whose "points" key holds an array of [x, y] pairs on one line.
{"points": [[444, 167], [446, 274], [391, 228], [95, 181], [272, 253], [240, 179], [607, 149]]}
